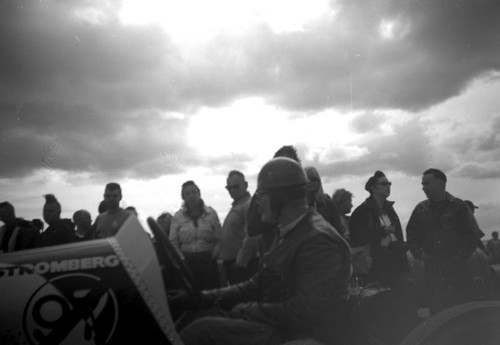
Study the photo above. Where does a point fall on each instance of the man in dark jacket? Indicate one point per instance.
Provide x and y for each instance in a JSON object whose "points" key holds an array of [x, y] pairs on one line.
{"points": [[17, 233], [301, 287], [441, 232]]}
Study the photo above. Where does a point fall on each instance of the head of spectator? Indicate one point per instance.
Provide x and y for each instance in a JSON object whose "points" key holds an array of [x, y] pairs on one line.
{"points": [[132, 210], [236, 184], [343, 200], [164, 221], [51, 209], [378, 186], [38, 224], [471, 205], [103, 207], [287, 151], [113, 196], [191, 194], [7, 213], [82, 220], [434, 184], [281, 188], [314, 187], [494, 234]]}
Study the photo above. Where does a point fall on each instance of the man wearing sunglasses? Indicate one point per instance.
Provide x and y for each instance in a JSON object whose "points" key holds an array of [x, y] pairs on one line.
{"points": [[233, 229]]}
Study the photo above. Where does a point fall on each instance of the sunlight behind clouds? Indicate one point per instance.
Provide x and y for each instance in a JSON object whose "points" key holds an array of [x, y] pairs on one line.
{"points": [[246, 126], [197, 20], [250, 125], [392, 29]]}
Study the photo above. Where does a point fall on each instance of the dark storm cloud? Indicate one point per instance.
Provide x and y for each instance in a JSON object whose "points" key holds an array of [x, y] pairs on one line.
{"points": [[129, 145], [367, 122], [86, 95], [437, 49], [404, 151], [52, 55], [481, 155]]}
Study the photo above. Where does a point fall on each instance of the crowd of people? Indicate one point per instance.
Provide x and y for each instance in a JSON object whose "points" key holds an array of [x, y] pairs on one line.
{"points": [[288, 252]]}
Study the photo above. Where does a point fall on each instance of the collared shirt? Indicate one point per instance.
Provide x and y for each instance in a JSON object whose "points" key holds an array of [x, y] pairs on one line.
{"points": [[189, 238], [233, 228]]}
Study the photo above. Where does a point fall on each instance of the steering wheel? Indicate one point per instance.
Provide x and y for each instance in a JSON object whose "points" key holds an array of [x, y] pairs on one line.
{"points": [[166, 251]]}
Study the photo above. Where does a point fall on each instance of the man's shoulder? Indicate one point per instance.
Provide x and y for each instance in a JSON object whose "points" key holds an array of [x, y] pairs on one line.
{"points": [[118, 214], [179, 213], [64, 225], [210, 210], [242, 205], [424, 204], [456, 201], [364, 206], [320, 228]]}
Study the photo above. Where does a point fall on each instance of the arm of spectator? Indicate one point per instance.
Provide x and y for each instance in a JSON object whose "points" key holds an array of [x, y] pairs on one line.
{"points": [[97, 233], [217, 233], [362, 229], [248, 250], [174, 236], [413, 234], [467, 231]]}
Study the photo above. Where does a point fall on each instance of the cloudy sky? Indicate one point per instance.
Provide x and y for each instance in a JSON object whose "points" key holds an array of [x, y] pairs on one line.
{"points": [[153, 93]]}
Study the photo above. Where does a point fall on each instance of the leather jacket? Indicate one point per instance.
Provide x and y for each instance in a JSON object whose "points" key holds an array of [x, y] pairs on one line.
{"points": [[365, 226], [442, 233], [301, 287]]}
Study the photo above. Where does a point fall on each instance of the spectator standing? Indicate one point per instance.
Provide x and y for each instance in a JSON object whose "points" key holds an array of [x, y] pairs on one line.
{"points": [[164, 220], [103, 207], [479, 233], [38, 224], [16, 233], [493, 248], [375, 224], [83, 226], [59, 231], [320, 201], [441, 232], [343, 200], [109, 222], [195, 232], [233, 230], [132, 210]]}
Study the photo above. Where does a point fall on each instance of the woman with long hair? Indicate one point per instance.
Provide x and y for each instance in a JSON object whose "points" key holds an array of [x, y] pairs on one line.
{"points": [[321, 201]]}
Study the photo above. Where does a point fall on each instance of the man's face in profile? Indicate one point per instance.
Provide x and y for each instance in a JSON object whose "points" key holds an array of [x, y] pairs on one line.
{"points": [[266, 213], [432, 186]]}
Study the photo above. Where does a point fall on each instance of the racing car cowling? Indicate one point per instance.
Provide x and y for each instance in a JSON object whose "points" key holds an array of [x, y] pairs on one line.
{"points": [[105, 291]]}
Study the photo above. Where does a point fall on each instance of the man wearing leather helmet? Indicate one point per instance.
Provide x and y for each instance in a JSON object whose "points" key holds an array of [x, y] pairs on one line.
{"points": [[300, 289]]}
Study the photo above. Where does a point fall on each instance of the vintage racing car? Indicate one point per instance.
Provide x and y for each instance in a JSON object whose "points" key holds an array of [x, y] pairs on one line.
{"points": [[116, 291]]}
